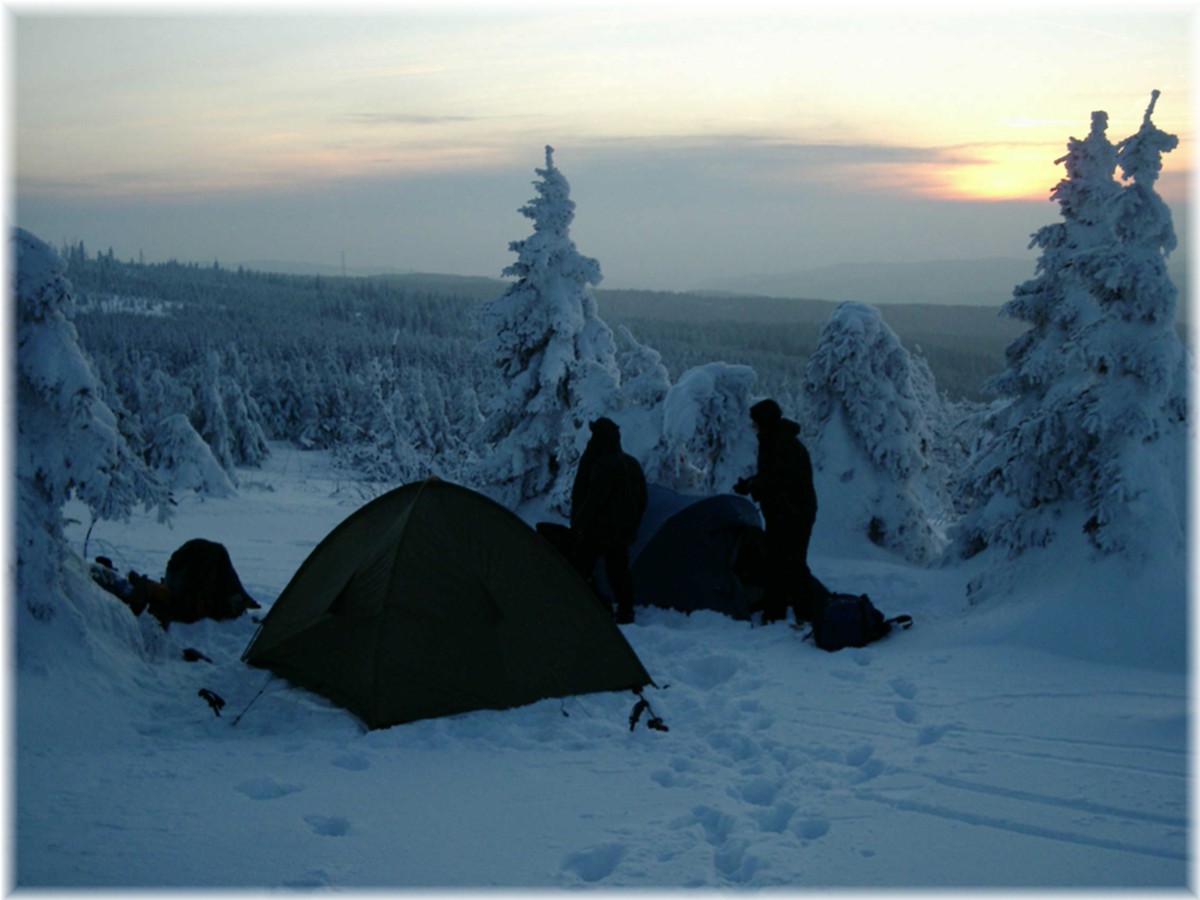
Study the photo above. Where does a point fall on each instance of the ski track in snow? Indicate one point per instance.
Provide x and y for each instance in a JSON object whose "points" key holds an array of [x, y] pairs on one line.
{"points": [[923, 761]]}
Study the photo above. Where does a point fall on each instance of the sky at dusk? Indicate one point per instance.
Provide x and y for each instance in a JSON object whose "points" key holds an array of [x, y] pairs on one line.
{"points": [[700, 140]]}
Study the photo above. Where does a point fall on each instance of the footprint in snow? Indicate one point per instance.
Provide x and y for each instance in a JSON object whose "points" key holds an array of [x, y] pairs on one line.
{"points": [[857, 756], [328, 826], [903, 687], [717, 824], [906, 712], [594, 864], [355, 762], [931, 734], [734, 863], [676, 775], [863, 760], [310, 880], [757, 791], [848, 676], [266, 788], [710, 672], [809, 828], [664, 777], [774, 819]]}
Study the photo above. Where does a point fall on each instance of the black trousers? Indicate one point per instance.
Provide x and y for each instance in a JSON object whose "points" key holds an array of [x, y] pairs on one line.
{"points": [[788, 579], [616, 569]]}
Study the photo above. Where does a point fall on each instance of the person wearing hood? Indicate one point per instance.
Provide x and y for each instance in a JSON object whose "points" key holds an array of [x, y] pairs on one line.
{"points": [[608, 499], [783, 488]]}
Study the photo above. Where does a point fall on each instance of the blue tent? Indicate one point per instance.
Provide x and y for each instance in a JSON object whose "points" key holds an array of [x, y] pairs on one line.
{"points": [[698, 552]]}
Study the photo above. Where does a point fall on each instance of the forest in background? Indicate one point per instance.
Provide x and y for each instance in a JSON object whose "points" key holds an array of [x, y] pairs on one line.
{"points": [[964, 345], [386, 371]]}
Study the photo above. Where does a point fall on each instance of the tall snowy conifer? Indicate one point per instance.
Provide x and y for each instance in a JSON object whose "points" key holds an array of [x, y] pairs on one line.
{"points": [[1092, 433], [555, 358], [869, 424], [1138, 407], [68, 441]]}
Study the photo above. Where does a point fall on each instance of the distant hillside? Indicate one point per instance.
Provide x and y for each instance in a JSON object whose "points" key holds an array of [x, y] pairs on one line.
{"points": [[964, 345], [975, 282], [285, 267], [963, 342]]}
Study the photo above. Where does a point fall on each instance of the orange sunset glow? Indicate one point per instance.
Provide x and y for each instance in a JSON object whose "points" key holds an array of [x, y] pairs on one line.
{"points": [[996, 173]]}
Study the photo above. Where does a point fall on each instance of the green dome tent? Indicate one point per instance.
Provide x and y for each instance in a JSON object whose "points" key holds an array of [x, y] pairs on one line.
{"points": [[432, 600]]}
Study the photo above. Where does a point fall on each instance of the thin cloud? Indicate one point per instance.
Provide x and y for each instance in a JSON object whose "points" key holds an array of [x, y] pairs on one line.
{"points": [[762, 164], [756, 150], [404, 119]]}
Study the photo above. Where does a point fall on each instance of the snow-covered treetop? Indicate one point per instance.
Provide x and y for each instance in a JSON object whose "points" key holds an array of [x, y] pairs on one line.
{"points": [[1088, 188], [49, 359], [1140, 155], [1142, 217], [550, 246], [1060, 301]]}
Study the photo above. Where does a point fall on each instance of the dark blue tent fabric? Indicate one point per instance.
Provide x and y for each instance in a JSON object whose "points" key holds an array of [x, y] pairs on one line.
{"points": [[661, 504], [697, 553]]}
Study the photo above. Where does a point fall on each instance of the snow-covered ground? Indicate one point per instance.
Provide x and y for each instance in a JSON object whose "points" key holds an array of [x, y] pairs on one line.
{"points": [[977, 749]]}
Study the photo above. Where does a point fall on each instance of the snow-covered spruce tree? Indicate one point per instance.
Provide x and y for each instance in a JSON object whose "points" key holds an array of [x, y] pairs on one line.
{"points": [[208, 415], [68, 442], [466, 420], [554, 357], [162, 396], [645, 381], [1034, 449], [224, 414], [1139, 358], [247, 436], [707, 442], [184, 461], [410, 438], [1093, 433], [869, 428], [367, 444]]}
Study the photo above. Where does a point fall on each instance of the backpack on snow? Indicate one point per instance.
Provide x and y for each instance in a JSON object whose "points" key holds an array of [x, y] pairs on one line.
{"points": [[849, 620]]}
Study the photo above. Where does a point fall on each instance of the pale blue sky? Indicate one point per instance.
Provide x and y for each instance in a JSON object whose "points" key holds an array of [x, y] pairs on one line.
{"points": [[699, 140]]}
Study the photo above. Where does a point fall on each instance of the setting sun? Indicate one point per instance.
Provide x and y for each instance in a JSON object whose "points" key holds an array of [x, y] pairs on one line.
{"points": [[1006, 172]]}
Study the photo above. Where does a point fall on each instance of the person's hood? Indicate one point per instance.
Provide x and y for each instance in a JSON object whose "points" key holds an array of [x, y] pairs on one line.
{"points": [[606, 434]]}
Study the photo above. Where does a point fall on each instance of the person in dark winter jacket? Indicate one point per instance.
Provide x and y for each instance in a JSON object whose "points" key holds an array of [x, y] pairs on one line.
{"points": [[783, 489], [608, 499]]}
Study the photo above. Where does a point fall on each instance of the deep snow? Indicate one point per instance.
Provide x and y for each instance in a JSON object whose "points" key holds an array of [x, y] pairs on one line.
{"points": [[990, 746]]}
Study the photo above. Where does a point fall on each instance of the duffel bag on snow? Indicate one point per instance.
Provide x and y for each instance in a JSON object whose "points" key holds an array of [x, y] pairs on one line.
{"points": [[849, 620]]}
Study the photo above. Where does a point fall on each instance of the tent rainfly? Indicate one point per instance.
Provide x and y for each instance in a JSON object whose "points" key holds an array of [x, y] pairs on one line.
{"points": [[699, 553], [432, 600]]}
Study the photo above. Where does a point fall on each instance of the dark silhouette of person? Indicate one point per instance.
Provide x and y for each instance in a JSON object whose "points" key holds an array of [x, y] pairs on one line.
{"points": [[783, 489], [608, 499]]}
